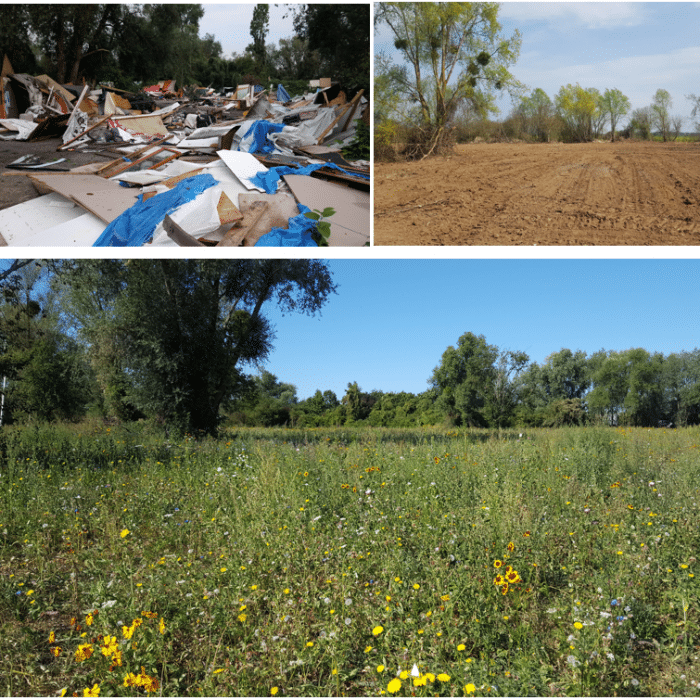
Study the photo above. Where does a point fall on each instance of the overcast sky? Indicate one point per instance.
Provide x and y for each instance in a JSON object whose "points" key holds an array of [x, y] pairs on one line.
{"points": [[392, 319], [230, 24], [635, 47]]}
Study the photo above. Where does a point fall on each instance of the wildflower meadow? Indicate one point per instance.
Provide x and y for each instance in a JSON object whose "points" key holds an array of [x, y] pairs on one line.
{"points": [[282, 562]]}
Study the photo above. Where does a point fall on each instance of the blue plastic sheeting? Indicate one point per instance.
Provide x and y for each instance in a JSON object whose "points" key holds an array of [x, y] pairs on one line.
{"points": [[298, 234], [137, 224], [282, 94], [259, 131], [270, 179], [257, 88]]}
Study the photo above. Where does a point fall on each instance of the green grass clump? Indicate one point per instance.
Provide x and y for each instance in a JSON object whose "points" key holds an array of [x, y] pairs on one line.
{"points": [[341, 562]]}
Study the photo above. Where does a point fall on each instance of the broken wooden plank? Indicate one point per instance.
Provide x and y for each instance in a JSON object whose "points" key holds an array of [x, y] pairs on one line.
{"points": [[251, 216]]}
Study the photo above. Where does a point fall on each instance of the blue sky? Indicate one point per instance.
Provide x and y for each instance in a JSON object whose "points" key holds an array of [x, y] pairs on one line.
{"points": [[392, 319], [635, 47]]}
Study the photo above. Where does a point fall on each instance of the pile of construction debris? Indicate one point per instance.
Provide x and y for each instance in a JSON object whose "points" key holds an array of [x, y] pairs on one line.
{"points": [[190, 167]]}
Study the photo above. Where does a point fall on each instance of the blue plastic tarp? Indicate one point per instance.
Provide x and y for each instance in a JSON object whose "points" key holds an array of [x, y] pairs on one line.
{"points": [[255, 139], [136, 225], [298, 234], [282, 94], [269, 180]]}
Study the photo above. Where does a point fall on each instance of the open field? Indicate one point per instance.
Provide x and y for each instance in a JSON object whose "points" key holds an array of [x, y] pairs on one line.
{"points": [[338, 562], [626, 193]]}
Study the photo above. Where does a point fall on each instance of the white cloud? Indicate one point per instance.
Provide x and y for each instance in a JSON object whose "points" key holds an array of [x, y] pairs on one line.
{"points": [[588, 15]]}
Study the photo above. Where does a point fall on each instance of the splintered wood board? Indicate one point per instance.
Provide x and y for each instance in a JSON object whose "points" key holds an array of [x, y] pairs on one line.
{"points": [[103, 198]]}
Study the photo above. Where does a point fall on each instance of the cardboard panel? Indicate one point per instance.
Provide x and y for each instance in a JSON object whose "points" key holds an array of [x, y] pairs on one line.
{"points": [[350, 223], [104, 198]]}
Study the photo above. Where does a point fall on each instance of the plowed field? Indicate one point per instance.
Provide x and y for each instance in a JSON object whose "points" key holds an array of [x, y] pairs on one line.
{"points": [[623, 193]]}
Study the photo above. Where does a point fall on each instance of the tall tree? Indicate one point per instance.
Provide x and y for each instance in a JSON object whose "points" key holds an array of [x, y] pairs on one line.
{"points": [[537, 114], [185, 359], [258, 30], [340, 34], [615, 105], [578, 107], [661, 117], [463, 381], [455, 54]]}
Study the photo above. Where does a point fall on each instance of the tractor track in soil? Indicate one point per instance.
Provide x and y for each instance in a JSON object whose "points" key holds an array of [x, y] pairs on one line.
{"points": [[624, 193]]}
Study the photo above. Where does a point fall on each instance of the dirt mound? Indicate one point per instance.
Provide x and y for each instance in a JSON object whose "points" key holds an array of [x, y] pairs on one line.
{"points": [[621, 193]]}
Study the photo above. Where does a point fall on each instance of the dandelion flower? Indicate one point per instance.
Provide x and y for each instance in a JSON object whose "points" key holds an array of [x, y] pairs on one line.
{"points": [[470, 688], [443, 677], [161, 626], [578, 625], [394, 685], [380, 668], [377, 630], [420, 681], [274, 690], [461, 647], [123, 533], [52, 637]]}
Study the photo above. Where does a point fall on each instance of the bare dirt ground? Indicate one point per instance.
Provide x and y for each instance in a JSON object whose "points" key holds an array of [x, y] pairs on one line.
{"points": [[623, 193], [15, 189]]}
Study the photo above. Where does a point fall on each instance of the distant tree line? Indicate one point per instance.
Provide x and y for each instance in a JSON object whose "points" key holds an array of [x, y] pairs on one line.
{"points": [[137, 45], [80, 338]]}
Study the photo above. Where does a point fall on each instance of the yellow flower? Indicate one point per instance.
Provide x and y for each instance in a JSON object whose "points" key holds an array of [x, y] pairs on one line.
{"points": [[52, 637], [161, 626], [470, 688], [416, 586], [334, 672], [461, 647], [403, 675], [394, 685], [421, 680], [310, 644], [498, 563], [377, 630], [89, 619], [83, 652], [242, 617], [380, 668], [578, 625], [274, 690], [56, 651], [93, 692], [443, 677], [123, 533]]}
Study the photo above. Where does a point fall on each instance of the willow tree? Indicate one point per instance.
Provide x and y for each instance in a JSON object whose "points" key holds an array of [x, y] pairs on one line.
{"points": [[456, 56], [178, 333]]}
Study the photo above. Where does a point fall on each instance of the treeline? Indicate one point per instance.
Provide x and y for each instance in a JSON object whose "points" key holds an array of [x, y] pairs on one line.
{"points": [[137, 45], [576, 114], [174, 342], [478, 385]]}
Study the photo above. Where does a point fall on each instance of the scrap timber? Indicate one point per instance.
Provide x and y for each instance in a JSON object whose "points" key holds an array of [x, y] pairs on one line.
{"points": [[184, 167]]}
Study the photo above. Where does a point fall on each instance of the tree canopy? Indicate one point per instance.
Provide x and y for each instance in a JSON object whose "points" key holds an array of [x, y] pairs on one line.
{"points": [[454, 54]]}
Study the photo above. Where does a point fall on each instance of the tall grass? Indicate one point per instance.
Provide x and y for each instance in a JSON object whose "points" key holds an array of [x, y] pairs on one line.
{"points": [[340, 562]]}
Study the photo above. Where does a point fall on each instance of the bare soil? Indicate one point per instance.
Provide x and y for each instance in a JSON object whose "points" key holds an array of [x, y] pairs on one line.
{"points": [[623, 193], [15, 189]]}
